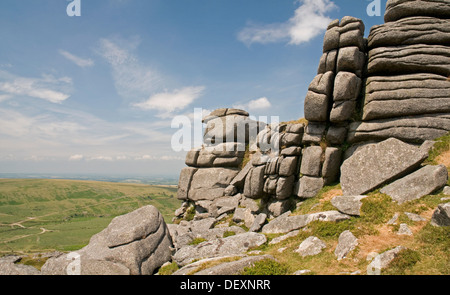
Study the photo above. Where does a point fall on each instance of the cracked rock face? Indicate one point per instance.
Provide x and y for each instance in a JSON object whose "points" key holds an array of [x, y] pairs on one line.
{"points": [[136, 243]]}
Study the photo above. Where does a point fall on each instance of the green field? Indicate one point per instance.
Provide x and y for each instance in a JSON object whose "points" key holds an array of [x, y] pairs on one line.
{"points": [[45, 215]]}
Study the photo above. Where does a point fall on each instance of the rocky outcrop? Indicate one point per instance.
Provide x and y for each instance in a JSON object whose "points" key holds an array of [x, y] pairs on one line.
{"points": [[378, 99], [406, 88], [136, 243]]}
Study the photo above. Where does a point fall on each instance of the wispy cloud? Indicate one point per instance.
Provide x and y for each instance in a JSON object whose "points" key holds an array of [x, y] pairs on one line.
{"points": [[168, 102], [259, 104], [309, 21], [47, 87], [81, 62], [132, 79]]}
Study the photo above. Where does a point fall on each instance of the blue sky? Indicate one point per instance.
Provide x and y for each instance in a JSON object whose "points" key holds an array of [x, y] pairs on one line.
{"points": [[96, 93]]}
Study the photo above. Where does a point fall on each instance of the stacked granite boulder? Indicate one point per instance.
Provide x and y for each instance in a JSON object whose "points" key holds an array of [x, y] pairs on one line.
{"points": [[407, 93], [274, 168], [212, 167], [331, 103], [216, 182]]}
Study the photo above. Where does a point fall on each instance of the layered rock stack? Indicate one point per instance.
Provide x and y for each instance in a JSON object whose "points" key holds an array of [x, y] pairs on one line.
{"points": [[331, 103], [212, 167], [407, 91], [273, 173]]}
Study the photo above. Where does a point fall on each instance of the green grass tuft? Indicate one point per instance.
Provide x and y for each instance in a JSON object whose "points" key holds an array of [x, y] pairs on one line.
{"points": [[267, 267]]}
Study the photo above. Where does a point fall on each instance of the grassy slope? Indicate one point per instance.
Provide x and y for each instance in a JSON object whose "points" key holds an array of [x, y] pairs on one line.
{"points": [[42, 215]]}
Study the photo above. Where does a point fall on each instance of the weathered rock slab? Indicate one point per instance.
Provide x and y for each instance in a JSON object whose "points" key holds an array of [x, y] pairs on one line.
{"points": [[404, 95], [347, 242], [417, 128], [350, 205], [418, 184], [376, 164], [210, 183], [409, 59]]}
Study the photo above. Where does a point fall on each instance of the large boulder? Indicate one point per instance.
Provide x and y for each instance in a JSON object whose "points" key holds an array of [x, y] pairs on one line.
{"points": [[376, 164], [311, 161], [136, 243], [254, 183], [418, 184], [210, 183]]}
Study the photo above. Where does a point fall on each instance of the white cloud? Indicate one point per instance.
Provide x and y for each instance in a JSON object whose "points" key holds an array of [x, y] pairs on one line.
{"points": [[81, 62], [76, 158], [168, 102], [47, 87], [132, 79], [259, 104], [308, 22], [262, 103]]}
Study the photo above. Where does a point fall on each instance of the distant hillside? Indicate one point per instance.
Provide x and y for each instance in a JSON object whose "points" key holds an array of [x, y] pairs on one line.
{"points": [[41, 215]]}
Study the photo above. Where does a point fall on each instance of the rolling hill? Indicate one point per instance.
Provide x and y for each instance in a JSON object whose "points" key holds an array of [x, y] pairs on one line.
{"points": [[39, 215]]}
